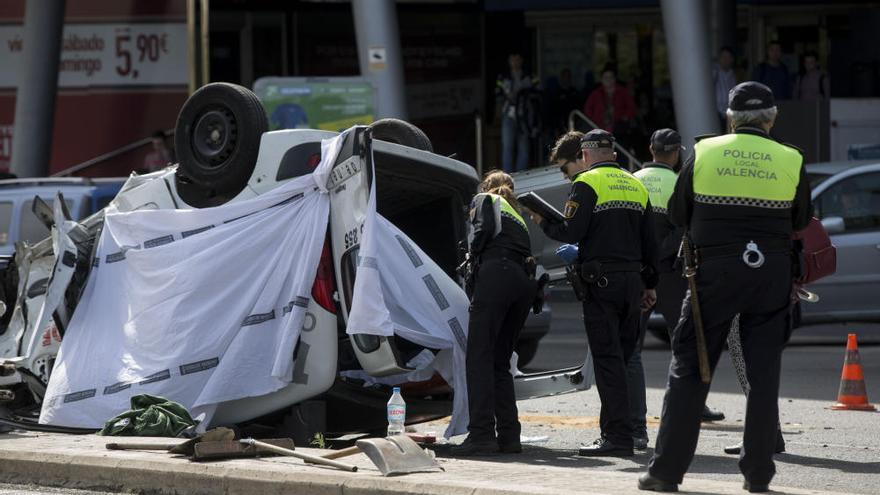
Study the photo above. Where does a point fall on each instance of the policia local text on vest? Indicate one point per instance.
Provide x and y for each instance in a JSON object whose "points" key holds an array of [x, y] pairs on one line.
{"points": [[740, 199]]}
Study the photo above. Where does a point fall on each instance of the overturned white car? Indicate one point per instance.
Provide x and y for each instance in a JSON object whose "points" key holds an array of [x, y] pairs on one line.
{"points": [[339, 381]]}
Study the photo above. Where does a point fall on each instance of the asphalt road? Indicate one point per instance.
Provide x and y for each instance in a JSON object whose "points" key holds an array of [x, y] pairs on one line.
{"points": [[833, 450]]}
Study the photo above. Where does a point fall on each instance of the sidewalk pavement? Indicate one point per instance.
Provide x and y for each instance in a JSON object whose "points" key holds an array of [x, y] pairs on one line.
{"points": [[83, 462]]}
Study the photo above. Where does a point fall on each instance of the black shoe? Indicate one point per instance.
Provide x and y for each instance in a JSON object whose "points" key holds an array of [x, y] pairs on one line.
{"points": [[736, 449], [604, 448], [652, 484], [640, 443], [756, 487], [510, 447], [710, 414], [472, 447]]}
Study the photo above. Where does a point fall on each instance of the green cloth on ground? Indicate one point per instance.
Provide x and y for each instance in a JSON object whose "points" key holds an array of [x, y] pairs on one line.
{"points": [[149, 416]]}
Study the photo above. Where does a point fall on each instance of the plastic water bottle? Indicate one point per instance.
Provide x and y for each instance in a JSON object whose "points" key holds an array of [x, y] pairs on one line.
{"points": [[396, 413]]}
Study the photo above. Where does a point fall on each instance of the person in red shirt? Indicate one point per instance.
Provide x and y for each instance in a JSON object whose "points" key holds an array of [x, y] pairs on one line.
{"points": [[610, 105]]}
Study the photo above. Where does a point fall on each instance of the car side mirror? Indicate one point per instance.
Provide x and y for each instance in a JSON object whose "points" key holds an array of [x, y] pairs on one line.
{"points": [[834, 225]]}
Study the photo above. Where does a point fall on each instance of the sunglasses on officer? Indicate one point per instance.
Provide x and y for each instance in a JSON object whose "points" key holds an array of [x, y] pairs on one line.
{"points": [[564, 168]]}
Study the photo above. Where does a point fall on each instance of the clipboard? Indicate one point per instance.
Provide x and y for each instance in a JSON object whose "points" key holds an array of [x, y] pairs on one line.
{"points": [[538, 205]]}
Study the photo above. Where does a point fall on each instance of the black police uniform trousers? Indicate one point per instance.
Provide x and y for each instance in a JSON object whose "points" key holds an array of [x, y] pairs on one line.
{"points": [[503, 295], [612, 320], [671, 289], [761, 295], [670, 293]]}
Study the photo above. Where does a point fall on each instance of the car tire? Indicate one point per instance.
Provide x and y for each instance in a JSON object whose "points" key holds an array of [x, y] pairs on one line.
{"points": [[217, 137], [526, 350], [400, 132]]}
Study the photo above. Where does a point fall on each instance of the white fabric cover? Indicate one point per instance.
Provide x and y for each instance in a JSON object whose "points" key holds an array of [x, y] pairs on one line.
{"points": [[214, 316], [197, 316], [400, 290]]}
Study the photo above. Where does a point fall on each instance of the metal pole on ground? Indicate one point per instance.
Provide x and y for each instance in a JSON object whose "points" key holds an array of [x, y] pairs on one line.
{"points": [[692, 89], [380, 55], [38, 84]]}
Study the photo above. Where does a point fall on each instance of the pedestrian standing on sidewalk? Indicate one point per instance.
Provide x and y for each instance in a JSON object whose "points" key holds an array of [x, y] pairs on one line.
{"points": [[608, 214], [514, 137], [740, 200], [503, 291]]}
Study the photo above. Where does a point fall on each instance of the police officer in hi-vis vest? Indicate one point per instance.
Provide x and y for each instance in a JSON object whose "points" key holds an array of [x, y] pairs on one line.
{"points": [[659, 177], [503, 291], [740, 200], [608, 214]]}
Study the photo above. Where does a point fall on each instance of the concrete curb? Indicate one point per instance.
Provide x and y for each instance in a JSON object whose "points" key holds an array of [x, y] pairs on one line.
{"points": [[83, 462]]}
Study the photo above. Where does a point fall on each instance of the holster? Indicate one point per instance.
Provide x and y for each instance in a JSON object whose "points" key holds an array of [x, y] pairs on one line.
{"points": [[574, 277], [468, 272], [538, 302], [531, 266], [591, 271]]}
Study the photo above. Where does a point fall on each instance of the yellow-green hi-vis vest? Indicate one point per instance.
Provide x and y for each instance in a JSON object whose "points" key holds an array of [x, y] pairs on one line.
{"points": [[507, 210], [745, 170], [615, 188], [660, 182]]}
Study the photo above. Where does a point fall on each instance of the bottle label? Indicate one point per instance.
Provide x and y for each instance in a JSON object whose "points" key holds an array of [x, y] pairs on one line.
{"points": [[396, 412]]}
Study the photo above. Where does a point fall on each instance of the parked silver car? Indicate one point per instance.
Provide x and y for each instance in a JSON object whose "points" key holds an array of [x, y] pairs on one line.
{"points": [[848, 203]]}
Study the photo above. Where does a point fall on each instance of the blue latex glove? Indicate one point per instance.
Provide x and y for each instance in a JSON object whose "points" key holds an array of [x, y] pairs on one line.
{"points": [[568, 253]]}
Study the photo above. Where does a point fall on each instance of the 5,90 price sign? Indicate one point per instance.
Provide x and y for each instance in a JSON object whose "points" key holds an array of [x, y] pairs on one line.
{"points": [[134, 52], [107, 55]]}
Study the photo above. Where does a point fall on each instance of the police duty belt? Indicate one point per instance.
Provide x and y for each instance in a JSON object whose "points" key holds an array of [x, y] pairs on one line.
{"points": [[751, 253]]}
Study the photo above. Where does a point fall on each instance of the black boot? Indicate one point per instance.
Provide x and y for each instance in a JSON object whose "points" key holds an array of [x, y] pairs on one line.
{"points": [[710, 414], [604, 448], [512, 446], [736, 449], [471, 447], [756, 487], [652, 484]]}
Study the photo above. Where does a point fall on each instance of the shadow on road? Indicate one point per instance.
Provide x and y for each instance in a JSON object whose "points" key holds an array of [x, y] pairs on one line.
{"points": [[831, 464], [713, 464]]}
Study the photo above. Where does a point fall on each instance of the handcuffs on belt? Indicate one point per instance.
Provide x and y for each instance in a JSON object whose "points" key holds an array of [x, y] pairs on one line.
{"points": [[752, 256], [592, 273]]}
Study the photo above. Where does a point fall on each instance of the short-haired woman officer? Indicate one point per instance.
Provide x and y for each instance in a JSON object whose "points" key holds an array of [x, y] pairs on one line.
{"points": [[502, 296]]}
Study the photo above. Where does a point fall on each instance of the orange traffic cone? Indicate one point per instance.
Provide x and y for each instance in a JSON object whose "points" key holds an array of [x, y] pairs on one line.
{"points": [[852, 395]]}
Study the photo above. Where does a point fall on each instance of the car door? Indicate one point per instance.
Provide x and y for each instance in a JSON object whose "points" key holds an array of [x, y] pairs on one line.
{"points": [[349, 186], [850, 294]]}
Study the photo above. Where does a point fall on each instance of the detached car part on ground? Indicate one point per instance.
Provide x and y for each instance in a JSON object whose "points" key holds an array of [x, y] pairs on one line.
{"points": [[226, 155]]}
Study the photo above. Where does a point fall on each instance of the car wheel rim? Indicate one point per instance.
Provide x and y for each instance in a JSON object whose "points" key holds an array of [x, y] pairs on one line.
{"points": [[214, 137]]}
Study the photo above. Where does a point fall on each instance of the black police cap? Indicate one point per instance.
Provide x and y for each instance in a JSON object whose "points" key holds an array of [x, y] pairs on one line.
{"points": [[597, 138], [666, 140], [750, 95]]}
